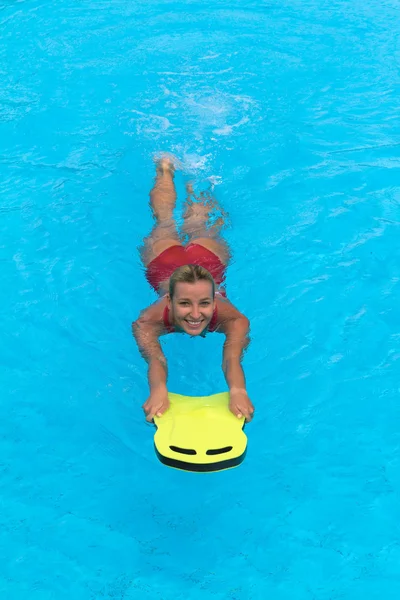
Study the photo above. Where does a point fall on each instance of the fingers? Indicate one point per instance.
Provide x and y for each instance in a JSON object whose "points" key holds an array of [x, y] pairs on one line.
{"points": [[242, 411], [250, 413], [249, 416], [152, 411], [150, 414]]}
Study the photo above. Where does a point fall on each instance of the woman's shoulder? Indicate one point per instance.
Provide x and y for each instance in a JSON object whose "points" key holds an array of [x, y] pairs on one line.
{"points": [[155, 312], [226, 312], [224, 304]]}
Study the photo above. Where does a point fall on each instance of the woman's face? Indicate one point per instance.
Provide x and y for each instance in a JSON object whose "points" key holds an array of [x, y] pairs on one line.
{"points": [[192, 306]]}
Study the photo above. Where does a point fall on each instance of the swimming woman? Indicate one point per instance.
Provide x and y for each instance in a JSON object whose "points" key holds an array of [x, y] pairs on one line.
{"points": [[189, 280]]}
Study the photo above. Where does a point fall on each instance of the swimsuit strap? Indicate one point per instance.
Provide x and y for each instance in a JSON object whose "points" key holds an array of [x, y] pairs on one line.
{"points": [[213, 323], [170, 328]]}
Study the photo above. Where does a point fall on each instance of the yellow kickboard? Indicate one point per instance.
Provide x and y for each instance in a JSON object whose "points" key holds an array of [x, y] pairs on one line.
{"points": [[199, 433]]}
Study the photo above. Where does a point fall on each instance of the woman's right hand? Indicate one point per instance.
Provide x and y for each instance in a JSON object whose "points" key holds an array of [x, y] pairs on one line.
{"points": [[156, 404]]}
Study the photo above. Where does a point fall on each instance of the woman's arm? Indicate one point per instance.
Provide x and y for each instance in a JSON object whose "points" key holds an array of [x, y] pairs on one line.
{"points": [[146, 334], [236, 328], [147, 330]]}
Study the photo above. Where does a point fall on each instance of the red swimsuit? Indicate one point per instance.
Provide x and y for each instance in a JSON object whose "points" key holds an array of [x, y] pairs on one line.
{"points": [[162, 267]]}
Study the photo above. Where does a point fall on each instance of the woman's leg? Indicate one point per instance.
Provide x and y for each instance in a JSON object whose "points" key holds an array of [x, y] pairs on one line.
{"points": [[196, 224], [162, 202]]}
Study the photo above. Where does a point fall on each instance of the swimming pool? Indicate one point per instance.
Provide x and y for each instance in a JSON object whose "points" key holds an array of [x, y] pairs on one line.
{"points": [[291, 110]]}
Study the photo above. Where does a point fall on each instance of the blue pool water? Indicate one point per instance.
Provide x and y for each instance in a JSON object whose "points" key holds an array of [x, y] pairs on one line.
{"points": [[291, 110]]}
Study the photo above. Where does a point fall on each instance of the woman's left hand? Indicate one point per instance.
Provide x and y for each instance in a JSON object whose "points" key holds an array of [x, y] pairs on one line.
{"points": [[240, 404]]}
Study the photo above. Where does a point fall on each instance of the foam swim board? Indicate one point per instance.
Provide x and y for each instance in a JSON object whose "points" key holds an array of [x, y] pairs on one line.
{"points": [[199, 433]]}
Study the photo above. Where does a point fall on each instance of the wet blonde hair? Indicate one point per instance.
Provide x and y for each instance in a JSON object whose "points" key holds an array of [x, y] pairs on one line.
{"points": [[190, 274]]}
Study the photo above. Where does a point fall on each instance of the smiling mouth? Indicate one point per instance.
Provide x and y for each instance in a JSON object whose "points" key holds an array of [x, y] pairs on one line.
{"points": [[194, 324]]}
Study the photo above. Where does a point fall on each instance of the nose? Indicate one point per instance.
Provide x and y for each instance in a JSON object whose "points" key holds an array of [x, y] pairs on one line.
{"points": [[195, 312]]}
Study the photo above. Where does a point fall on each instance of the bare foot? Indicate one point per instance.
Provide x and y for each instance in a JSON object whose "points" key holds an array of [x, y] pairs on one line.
{"points": [[204, 197], [167, 162], [165, 165]]}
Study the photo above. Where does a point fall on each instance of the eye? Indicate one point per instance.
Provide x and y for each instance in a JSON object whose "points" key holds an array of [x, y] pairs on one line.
{"points": [[183, 303], [205, 303]]}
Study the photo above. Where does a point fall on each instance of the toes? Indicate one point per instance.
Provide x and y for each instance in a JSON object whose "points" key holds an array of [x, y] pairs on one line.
{"points": [[164, 164]]}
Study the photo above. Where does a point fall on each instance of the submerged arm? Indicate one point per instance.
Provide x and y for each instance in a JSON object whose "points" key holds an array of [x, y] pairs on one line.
{"points": [[236, 328], [237, 340], [146, 333]]}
